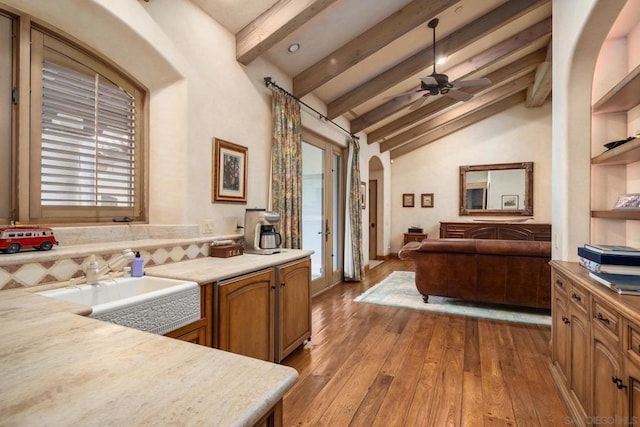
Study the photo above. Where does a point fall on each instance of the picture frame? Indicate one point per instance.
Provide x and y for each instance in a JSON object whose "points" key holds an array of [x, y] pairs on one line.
{"points": [[229, 180], [426, 200], [628, 201], [363, 195], [408, 200], [510, 202]]}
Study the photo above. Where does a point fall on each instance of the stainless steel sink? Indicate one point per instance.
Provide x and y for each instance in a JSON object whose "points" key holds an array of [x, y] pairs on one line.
{"points": [[152, 304]]}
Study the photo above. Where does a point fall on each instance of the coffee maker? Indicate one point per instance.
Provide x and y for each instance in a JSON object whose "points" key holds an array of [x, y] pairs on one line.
{"points": [[260, 234]]}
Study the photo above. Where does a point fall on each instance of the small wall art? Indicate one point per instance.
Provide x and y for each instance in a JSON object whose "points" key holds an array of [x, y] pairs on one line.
{"points": [[229, 181], [426, 200], [408, 200]]}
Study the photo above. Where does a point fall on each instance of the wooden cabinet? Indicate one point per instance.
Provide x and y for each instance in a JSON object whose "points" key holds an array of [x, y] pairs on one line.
{"points": [[570, 337], [265, 315], [595, 348], [245, 315], [199, 332], [492, 230], [414, 237], [294, 306], [195, 333]]}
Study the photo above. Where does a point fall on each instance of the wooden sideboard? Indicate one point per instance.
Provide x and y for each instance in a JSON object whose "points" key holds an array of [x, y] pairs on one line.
{"points": [[414, 237], [595, 337], [496, 230]]}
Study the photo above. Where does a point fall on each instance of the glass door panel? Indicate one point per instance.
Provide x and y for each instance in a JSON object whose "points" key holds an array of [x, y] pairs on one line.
{"points": [[313, 218]]}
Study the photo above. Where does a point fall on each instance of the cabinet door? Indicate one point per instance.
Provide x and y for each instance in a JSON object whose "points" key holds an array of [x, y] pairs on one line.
{"points": [[294, 306], [560, 327], [195, 333], [632, 382], [607, 397], [245, 315], [579, 357]]}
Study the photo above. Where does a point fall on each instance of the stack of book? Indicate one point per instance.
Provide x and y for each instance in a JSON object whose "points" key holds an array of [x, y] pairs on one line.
{"points": [[617, 267]]}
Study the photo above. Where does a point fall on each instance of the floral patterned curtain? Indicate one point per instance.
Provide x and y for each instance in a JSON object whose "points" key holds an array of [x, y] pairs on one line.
{"points": [[353, 256], [286, 167]]}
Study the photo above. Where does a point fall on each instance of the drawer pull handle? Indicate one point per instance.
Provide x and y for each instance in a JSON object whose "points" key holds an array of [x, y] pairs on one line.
{"points": [[576, 297], [565, 320], [618, 382], [560, 283], [602, 318]]}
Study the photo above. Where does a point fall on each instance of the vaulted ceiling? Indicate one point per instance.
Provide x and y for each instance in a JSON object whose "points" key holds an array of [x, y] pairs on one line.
{"points": [[357, 56]]}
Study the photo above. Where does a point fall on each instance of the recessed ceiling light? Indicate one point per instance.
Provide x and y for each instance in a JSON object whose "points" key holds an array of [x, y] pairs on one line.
{"points": [[441, 60], [293, 47]]}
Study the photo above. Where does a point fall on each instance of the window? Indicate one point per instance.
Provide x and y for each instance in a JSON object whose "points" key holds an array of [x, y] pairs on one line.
{"points": [[81, 158], [85, 135], [6, 116]]}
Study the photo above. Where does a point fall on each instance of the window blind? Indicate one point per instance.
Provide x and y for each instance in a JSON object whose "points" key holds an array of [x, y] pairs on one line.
{"points": [[88, 144]]}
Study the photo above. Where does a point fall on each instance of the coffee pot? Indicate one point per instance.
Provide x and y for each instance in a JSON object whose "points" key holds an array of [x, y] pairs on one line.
{"points": [[269, 237], [260, 233]]}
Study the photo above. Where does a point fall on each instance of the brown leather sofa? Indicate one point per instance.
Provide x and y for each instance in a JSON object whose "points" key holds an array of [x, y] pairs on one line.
{"points": [[512, 272]]}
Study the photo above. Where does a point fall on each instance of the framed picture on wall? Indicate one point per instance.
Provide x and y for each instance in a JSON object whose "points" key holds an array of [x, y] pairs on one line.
{"points": [[408, 200], [363, 195], [426, 200], [229, 180]]}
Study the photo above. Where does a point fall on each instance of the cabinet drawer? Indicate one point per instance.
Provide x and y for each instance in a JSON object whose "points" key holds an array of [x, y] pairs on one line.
{"points": [[561, 284], [578, 298], [606, 317]]}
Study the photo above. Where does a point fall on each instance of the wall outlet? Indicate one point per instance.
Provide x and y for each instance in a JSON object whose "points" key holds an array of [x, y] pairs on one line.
{"points": [[207, 226]]}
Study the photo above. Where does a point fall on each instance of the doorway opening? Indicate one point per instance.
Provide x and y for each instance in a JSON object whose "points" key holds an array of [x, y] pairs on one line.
{"points": [[374, 211]]}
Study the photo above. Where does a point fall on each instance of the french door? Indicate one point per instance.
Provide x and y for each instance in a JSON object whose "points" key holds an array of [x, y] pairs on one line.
{"points": [[322, 209]]}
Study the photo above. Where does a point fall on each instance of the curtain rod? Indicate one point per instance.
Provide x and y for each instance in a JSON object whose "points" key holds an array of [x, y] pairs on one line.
{"points": [[268, 81]]}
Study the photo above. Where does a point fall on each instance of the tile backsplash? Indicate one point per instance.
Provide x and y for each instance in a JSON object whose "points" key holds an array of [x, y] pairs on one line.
{"points": [[157, 245]]}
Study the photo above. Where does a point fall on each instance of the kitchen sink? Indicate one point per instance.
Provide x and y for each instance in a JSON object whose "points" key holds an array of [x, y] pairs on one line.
{"points": [[153, 304]]}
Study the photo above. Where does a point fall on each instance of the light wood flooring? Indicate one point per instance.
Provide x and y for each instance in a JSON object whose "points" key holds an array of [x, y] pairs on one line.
{"points": [[372, 365]]}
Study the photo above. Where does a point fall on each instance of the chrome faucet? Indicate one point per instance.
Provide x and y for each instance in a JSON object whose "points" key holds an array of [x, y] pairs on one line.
{"points": [[94, 273]]}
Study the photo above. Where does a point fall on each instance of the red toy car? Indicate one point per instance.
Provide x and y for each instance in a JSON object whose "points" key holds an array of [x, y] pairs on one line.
{"points": [[12, 239]]}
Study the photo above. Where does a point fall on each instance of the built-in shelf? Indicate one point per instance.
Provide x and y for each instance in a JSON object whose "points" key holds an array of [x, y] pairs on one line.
{"points": [[621, 214], [622, 97], [622, 155]]}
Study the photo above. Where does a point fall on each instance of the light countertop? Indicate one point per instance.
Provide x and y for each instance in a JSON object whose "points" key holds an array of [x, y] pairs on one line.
{"points": [[211, 269], [61, 368]]}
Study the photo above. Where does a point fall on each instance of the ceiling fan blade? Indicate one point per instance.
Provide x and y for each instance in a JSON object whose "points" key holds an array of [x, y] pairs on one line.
{"points": [[467, 83], [429, 80], [409, 93], [457, 95], [418, 103]]}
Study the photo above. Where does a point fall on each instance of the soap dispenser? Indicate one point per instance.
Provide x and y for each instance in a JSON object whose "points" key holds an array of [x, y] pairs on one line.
{"points": [[137, 266]]}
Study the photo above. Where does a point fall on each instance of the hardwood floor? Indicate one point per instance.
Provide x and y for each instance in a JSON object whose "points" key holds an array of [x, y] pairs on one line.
{"points": [[369, 365]]}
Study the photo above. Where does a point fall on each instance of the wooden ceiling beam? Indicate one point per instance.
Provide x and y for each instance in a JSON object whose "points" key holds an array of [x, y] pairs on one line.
{"points": [[465, 108], [455, 41], [515, 69], [500, 50], [367, 43], [541, 88], [274, 25], [460, 123]]}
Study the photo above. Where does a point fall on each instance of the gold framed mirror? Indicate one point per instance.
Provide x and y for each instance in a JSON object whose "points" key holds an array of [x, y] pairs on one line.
{"points": [[499, 189]]}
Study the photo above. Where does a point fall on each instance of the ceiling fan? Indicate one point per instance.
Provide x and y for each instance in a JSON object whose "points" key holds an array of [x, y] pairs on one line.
{"points": [[436, 83]]}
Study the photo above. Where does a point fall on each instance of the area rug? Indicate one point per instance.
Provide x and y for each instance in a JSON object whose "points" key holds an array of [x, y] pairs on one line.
{"points": [[399, 290]]}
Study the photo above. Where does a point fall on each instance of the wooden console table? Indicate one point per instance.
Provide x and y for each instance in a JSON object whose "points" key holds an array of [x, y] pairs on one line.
{"points": [[414, 237], [496, 230]]}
